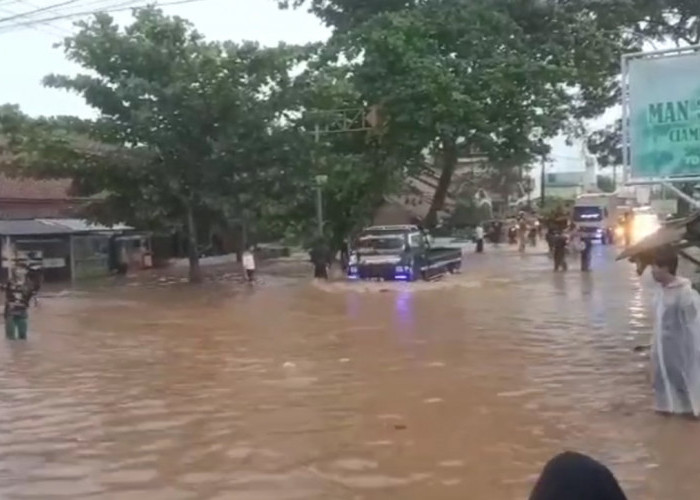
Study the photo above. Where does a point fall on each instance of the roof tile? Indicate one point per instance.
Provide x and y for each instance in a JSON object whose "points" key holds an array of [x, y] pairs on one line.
{"points": [[26, 188]]}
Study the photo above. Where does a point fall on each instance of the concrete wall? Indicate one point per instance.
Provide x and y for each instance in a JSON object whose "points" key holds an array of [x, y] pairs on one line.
{"points": [[392, 213], [564, 192]]}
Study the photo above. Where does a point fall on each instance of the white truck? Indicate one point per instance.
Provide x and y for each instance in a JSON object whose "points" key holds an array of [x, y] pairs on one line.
{"points": [[596, 214]]}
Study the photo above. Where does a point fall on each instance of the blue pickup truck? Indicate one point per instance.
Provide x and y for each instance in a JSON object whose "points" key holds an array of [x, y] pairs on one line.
{"points": [[401, 253]]}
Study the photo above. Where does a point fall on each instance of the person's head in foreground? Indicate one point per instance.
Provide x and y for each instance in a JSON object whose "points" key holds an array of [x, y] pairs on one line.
{"points": [[664, 266], [572, 476]]}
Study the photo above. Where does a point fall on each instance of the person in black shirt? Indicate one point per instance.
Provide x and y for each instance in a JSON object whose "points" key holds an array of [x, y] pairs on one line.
{"points": [[18, 294], [344, 255], [321, 259], [559, 248]]}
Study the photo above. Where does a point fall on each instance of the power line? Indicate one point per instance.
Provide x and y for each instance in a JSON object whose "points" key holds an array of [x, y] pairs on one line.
{"points": [[37, 11], [54, 30], [119, 7], [95, 7], [27, 15]]}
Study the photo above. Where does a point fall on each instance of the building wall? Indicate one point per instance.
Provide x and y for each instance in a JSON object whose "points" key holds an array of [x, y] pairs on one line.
{"points": [[392, 213], [564, 192], [55, 249]]}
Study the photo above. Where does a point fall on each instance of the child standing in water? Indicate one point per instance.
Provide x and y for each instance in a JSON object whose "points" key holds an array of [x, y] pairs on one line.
{"points": [[17, 297], [249, 265]]}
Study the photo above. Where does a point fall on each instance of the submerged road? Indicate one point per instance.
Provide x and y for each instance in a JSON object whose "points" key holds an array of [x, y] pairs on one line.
{"points": [[299, 391]]}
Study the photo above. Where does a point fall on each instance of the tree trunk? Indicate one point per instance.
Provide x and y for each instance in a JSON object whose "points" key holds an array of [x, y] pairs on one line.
{"points": [[449, 165], [195, 274]]}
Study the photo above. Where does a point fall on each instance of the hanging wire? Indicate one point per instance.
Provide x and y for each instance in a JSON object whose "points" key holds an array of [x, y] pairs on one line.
{"points": [[114, 7], [51, 28]]}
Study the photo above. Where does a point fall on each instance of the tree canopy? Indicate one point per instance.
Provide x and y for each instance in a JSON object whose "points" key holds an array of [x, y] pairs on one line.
{"points": [[476, 74], [202, 116]]}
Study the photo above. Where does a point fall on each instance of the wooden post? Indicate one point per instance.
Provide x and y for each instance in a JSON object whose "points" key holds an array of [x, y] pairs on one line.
{"points": [[8, 254], [71, 256]]}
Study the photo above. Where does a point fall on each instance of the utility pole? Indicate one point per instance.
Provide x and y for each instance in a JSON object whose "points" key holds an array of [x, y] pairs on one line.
{"points": [[543, 179], [536, 134], [320, 180]]}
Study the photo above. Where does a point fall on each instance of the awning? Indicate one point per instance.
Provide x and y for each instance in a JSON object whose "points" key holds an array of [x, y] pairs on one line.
{"points": [[30, 227]]}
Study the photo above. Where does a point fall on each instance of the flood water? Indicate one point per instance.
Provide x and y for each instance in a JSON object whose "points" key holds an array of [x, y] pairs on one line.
{"points": [[291, 390]]}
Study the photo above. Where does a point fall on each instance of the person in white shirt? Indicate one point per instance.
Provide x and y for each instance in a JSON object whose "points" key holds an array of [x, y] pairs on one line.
{"points": [[249, 264], [479, 237]]}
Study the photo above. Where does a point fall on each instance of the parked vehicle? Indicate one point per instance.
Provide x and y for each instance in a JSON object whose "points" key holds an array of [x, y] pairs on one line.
{"points": [[402, 253]]}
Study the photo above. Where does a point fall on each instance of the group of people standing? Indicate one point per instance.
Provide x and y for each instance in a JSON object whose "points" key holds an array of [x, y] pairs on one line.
{"points": [[563, 241]]}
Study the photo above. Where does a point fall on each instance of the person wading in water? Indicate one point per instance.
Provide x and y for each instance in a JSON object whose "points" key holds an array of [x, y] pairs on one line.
{"points": [[559, 247], [479, 237], [321, 259], [249, 264], [18, 294]]}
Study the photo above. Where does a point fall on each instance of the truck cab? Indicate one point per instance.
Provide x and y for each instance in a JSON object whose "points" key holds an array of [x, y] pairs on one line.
{"points": [[596, 216]]}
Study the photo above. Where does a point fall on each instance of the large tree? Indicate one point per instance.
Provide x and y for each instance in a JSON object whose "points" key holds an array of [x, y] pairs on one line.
{"points": [[480, 73], [333, 140], [204, 118]]}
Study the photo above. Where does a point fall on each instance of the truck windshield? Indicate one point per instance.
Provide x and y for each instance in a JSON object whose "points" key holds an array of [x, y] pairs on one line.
{"points": [[588, 214], [374, 243]]}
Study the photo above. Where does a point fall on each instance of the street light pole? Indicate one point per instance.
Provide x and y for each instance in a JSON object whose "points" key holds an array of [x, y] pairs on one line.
{"points": [[536, 134], [347, 120], [319, 190], [543, 179], [319, 208]]}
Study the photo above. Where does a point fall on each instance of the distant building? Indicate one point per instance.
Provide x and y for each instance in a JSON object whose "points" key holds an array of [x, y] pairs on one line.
{"points": [[565, 185], [412, 203], [473, 180]]}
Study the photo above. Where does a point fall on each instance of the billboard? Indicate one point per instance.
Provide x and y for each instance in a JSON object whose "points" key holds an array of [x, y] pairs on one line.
{"points": [[664, 116]]}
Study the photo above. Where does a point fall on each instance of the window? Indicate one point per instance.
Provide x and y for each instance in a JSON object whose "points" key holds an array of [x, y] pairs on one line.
{"points": [[587, 214], [415, 240]]}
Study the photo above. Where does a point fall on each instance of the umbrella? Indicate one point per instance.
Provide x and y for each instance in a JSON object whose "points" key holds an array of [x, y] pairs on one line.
{"points": [[666, 235]]}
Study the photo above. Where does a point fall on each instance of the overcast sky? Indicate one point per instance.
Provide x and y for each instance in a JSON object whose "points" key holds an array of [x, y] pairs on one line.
{"points": [[27, 55]]}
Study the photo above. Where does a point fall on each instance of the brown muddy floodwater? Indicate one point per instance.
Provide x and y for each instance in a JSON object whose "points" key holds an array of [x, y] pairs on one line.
{"points": [[296, 391]]}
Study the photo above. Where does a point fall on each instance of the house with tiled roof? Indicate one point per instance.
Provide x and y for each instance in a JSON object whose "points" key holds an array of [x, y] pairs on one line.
{"points": [[27, 198]]}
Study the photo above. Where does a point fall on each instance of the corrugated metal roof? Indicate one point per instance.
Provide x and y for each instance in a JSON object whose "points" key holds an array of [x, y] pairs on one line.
{"points": [[81, 225], [53, 226]]}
